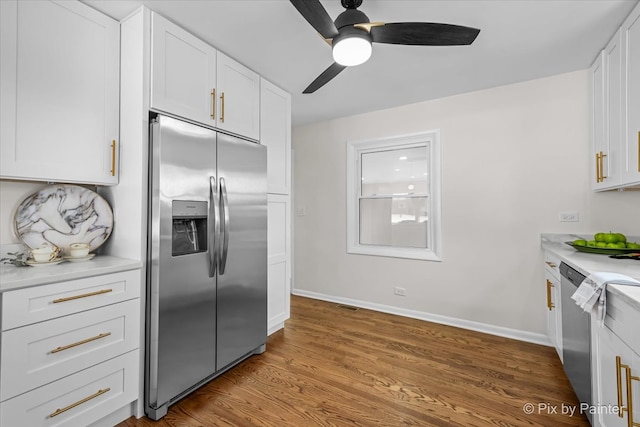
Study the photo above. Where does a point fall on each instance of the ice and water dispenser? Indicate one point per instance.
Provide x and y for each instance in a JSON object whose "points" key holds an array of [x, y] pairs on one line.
{"points": [[189, 234]]}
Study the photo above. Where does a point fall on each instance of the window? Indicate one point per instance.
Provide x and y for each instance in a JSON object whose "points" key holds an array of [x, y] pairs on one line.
{"points": [[393, 197]]}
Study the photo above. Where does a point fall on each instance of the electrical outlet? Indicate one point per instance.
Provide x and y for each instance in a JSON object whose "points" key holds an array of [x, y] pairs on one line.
{"points": [[568, 216], [399, 291], [301, 211]]}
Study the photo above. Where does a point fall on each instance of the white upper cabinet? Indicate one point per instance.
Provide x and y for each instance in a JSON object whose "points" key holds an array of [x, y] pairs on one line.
{"points": [[239, 98], [615, 93], [183, 77], [630, 34], [191, 79], [275, 133], [60, 92]]}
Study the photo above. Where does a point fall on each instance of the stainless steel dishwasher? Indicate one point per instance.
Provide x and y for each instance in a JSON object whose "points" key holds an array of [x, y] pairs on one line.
{"points": [[576, 337]]}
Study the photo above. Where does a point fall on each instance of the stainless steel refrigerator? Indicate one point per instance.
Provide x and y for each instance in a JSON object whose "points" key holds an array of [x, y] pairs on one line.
{"points": [[207, 262]]}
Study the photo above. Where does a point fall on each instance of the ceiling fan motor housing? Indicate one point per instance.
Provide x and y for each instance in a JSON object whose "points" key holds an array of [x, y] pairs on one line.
{"points": [[350, 17]]}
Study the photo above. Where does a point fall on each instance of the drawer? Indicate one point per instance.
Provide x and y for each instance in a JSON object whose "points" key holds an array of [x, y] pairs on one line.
{"points": [[36, 304], [552, 263], [79, 399], [39, 354], [623, 320]]}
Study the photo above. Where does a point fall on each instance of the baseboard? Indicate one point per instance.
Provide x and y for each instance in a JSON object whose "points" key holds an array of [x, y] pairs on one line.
{"points": [[515, 334]]}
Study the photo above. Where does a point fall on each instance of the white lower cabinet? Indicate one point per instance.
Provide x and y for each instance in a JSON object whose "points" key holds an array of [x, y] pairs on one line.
{"points": [[554, 310], [76, 400], [279, 261], [616, 366], [69, 351]]}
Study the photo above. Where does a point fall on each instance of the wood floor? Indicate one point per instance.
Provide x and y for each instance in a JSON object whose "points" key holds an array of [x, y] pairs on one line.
{"points": [[334, 367]]}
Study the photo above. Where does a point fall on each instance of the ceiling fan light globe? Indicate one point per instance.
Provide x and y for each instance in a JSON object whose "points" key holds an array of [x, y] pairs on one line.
{"points": [[352, 51]]}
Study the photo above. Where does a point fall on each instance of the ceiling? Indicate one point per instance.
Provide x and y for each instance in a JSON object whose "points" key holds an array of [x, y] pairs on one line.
{"points": [[519, 40]]}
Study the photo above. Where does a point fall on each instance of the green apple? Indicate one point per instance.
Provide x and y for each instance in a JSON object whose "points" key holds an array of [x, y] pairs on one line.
{"points": [[601, 244], [592, 243], [610, 238], [633, 245], [612, 245], [580, 242], [621, 237]]}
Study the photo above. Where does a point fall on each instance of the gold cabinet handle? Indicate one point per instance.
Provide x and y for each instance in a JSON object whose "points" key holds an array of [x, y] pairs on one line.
{"points": [[79, 402], [598, 173], [75, 344], [90, 294], [550, 304], [222, 107], [113, 157], [629, 378], [602, 175], [550, 264], [213, 104]]}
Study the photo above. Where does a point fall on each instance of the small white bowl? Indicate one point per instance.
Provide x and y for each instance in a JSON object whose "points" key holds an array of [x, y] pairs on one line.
{"points": [[78, 250]]}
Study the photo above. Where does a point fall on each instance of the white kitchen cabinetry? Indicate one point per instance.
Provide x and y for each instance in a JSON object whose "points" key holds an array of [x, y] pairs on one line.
{"points": [[70, 350], [60, 92], [616, 365], [279, 261], [554, 311], [630, 34], [191, 79], [615, 95], [275, 133], [183, 78]]}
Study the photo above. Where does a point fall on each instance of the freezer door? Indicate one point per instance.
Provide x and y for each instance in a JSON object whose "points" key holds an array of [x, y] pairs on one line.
{"points": [[242, 272], [182, 295]]}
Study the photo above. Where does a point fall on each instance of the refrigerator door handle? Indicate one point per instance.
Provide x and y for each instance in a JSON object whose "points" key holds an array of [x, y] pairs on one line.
{"points": [[214, 229], [225, 211]]}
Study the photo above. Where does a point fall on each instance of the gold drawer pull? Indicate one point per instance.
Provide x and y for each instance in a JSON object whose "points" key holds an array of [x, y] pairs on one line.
{"points": [[550, 264], [550, 304], [113, 157], [222, 107], [75, 344], [90, 294], [213, 104], [629, 378], [79, 402]]}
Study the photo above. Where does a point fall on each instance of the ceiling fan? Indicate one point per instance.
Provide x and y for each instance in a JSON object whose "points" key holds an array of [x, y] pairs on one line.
{"points": [[351, 35]]}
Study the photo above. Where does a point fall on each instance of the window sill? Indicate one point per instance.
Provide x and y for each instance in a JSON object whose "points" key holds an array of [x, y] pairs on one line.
{"points": [[406, 253]]}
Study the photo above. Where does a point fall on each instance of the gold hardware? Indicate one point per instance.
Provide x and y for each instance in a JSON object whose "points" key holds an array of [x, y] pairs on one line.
{"points": [[619, 384], [222, 107], [79, 402], [213, 104], [75, 344], [550, 264], [113, 157], [550, 304], [629, 378], [367, 26], [90, 294], [597, 167], [602, 175]]}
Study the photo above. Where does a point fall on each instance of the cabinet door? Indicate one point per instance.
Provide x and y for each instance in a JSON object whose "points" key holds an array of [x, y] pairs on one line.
{"points": [[60, 92], [554, 319], [275, 133], [598, 131], [183, 73], [610, 378], [279, 261], [238, 98], [613, 112], [631, 90]]}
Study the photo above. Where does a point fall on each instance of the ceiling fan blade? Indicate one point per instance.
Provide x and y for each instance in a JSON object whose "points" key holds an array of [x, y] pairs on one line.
{"points": [[317, 16], [333, 70], [424, 34]]}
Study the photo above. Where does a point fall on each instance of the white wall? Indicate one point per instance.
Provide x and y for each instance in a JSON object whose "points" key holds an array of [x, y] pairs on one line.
{"points": [[513, 158]]}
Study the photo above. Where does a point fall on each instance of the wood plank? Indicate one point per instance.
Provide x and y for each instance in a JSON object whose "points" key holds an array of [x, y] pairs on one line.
{"points": [[336, 367]]}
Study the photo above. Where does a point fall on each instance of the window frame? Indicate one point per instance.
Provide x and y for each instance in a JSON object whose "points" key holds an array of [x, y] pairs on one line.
{"points": [[432, 141]]}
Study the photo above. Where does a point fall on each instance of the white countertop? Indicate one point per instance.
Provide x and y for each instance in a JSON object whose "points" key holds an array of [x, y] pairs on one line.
{"points": [[587, 263], [12, 277]]}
